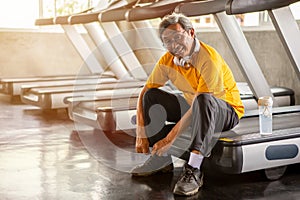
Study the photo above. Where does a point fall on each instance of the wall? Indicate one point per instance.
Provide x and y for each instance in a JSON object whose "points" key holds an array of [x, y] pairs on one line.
{"points": [[269, 53], [41, 53], [36, 54]]}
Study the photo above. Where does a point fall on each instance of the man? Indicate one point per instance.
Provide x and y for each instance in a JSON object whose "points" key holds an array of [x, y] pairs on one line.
{"points": [[210, 103]]}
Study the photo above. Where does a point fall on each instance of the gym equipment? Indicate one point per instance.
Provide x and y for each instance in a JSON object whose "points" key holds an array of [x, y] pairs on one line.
{"points": [[243, 149], [53, 97], [280, 14], [248, 97]]}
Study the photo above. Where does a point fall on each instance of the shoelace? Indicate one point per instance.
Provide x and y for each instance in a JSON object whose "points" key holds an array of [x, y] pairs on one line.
{"points": [[188, 175]]}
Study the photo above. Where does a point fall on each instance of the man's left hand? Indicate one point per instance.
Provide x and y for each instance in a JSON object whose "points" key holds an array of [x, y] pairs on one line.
{"points": [[161, 147]]}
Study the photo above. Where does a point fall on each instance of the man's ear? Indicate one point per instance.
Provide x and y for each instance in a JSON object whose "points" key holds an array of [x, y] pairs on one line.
{"points": [[192, 32]]}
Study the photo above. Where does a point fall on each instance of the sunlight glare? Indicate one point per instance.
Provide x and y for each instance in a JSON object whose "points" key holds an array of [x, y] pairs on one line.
{"points": [[18, 13]]}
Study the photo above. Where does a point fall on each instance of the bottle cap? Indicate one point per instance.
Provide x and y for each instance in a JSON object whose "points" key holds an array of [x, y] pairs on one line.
{"points": [[265, 101]]}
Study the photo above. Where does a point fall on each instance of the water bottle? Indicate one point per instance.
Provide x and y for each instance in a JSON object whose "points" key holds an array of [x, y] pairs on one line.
{"points": [[265, 115]]}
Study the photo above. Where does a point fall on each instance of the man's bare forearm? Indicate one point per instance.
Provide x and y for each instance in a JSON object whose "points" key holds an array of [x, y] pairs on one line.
{"points": [[139, 114]]}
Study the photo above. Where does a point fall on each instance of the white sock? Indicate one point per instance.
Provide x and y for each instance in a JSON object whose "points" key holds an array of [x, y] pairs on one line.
{"points": [[195, 160]]}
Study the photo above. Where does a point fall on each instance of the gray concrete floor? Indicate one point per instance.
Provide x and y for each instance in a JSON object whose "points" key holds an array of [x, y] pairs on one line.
{"points": [[42, 156]]}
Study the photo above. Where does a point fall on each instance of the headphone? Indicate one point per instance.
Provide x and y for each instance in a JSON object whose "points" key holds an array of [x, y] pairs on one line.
{"points": [[182, 61], [186, 59]]}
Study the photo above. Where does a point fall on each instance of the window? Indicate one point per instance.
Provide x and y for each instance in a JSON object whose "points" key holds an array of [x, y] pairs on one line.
{"points": [[296, 10], [52, 8], [18, 13], [22, 14], [254, 19]]}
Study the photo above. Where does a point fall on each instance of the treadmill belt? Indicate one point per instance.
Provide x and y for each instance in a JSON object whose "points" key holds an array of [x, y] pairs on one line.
{"points": [[247, 132]]}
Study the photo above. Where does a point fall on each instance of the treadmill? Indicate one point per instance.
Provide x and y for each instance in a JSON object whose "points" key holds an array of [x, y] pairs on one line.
{"points": [[243, 149], [279, 13], [90, 110], [93, 109], [52, 95], [79, 109], [13, 85], [230, 154]]}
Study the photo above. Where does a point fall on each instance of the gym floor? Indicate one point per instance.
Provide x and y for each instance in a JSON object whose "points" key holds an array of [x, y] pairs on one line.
{"points": [[43, 157]]}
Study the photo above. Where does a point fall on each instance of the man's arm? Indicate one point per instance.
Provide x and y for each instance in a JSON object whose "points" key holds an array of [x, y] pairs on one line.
{"points": [[141, 143], [163, 145]]}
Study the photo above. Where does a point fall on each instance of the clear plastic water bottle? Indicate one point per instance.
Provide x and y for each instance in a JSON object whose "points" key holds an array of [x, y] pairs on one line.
{"points": [[265, 115]]}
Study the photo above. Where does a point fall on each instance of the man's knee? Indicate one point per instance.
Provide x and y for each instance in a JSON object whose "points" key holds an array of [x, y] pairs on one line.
{"points": [[204, 99], [152, 92]]}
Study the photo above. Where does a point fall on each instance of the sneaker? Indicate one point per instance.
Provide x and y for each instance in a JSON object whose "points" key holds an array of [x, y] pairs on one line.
{"points": [[190, 181], [153, 165]]}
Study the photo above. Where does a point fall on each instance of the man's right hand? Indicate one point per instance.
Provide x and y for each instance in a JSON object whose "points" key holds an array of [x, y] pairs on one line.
{"points": [[142, 145], [141, 142]]}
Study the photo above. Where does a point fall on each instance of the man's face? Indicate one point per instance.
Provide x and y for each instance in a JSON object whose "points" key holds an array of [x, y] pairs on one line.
{"points": [[177, 40]]}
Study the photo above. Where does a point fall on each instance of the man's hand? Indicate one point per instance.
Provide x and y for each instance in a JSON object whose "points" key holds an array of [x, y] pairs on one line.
{"points": [[141, 142], [162, 146], [142, 145]]}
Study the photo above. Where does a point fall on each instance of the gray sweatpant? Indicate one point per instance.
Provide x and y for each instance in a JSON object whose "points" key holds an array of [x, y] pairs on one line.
{"points": [[210, 116]]}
